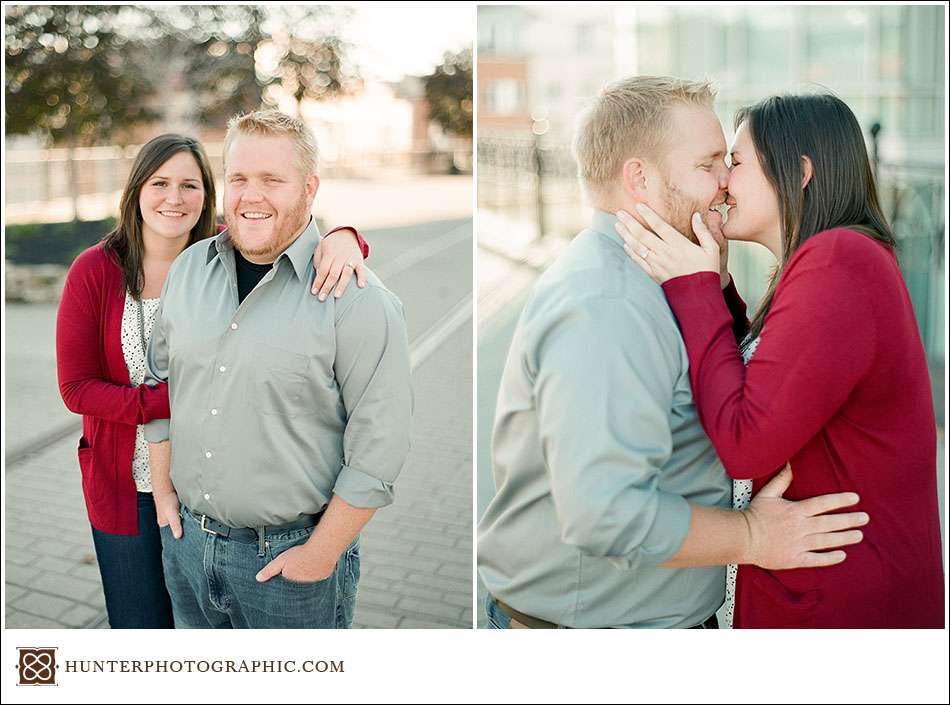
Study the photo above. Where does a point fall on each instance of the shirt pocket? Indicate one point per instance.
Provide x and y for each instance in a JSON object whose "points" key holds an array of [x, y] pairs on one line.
{"points": [[283, 383]]}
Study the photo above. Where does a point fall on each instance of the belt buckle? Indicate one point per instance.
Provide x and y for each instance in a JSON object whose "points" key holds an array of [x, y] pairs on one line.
{"points": [[204, 526]]}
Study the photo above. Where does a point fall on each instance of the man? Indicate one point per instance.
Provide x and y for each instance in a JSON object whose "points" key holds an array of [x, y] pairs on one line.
{"points": [[611, 505], [289, 417]]}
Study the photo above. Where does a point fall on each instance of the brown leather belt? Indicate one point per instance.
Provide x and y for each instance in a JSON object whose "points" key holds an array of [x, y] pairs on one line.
{"points": [[526, 621]]}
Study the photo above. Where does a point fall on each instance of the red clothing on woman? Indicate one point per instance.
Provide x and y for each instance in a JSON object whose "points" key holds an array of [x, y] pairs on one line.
{"points": [[839, 387], [94, 382]]}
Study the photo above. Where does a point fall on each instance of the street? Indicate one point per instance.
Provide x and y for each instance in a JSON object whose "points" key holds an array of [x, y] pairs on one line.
{"points": [[416, 554]]}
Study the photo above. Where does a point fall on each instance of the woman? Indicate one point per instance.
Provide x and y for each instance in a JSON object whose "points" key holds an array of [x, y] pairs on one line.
{"points": [[103, 324], [836, 381]]}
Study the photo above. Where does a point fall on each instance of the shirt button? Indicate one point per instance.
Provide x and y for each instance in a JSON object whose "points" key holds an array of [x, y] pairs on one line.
{"points": [[207, 496], [222, 368], [214, 412], [208, 454], [234, 326]]}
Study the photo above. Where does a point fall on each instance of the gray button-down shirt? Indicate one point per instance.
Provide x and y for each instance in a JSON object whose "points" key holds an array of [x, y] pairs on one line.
{"points": [[282, 401], [596, 449]]}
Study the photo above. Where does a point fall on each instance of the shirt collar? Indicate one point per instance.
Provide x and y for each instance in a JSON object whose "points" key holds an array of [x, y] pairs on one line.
{"points": [[300, 252], [603, 222]]}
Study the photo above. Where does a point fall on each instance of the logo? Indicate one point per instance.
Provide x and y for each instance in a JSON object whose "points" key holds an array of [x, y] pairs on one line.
{"points": [[37, 666]]}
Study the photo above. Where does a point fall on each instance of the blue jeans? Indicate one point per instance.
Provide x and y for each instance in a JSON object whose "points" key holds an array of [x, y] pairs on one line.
{"points": [[496, 618], [132, 577], [212, 583]]}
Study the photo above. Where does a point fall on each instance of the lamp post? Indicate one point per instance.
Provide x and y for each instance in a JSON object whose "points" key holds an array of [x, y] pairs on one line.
{"points": [[875, 159], [538, 128]]}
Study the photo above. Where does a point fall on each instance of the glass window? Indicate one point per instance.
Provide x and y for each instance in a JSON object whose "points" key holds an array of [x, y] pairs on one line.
{"points": [[888, 115], [890, 59], [504, 97], [836, 44], [921, 116], [654, 48], [691, 35], [770, 46], [499, 31]]}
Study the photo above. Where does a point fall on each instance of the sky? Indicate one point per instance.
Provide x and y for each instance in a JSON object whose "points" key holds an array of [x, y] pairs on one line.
{"points": [[391, 40]]}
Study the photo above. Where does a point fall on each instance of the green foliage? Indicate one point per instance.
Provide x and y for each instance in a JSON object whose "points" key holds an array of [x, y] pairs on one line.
{"points": [[234, 54], [71, 76], [52, 243], [78, 74], [449, 92], [216, 46]]}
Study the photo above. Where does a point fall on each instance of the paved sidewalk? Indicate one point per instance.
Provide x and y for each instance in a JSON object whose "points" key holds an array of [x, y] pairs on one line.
{"points": [[416, 554]]}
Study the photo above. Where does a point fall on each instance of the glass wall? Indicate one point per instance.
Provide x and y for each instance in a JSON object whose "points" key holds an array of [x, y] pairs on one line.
{"points": [[886, 62]]}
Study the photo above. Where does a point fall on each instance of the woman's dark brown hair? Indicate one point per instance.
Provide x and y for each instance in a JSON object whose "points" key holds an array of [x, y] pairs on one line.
{"points": [[125, 239], [841, 192]]}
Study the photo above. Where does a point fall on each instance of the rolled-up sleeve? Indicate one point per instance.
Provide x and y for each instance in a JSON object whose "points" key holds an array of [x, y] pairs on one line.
{"points": [[373, 371], [603, 385]]}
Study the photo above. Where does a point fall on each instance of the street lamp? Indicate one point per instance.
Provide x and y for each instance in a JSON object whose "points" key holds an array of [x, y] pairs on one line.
{"points": [[539, 127], [875, 158]]}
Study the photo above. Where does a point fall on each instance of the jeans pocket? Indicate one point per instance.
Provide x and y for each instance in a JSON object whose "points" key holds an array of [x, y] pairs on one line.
{"points": [[351, 571], [274, 547], [275, 544], [496, 618]]}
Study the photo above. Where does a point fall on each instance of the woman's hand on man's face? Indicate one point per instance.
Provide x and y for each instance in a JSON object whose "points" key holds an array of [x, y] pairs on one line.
{"points": [[663, 252], [714, 225]]}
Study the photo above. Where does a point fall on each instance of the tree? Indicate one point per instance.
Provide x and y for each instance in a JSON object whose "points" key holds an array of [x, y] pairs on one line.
{"points": [[239, 58], [72, 77], [449, 93], [304, 55], [216, 45]]}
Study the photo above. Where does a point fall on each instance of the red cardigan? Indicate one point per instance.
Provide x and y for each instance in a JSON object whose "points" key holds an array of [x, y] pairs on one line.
{"points": [[838, 386], [94, 382]]}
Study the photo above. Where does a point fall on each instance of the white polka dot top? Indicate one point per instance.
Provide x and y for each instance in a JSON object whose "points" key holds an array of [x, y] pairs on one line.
{"points": [[135, 361], [741, 496]]}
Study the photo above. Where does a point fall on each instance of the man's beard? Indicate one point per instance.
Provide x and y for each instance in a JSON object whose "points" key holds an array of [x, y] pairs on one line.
{"points": [[289, 227], [680, 209]]}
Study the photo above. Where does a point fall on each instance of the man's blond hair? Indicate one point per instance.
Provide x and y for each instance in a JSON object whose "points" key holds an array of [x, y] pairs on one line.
{"points": [[629, 118], [273, 123]]}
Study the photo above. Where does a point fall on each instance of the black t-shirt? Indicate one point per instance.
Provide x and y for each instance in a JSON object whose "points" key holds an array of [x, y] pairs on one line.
{"points": [[248, 274]]}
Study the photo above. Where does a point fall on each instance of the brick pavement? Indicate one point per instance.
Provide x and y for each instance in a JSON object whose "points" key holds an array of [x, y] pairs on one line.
{"points": [[416, 554], [51, 575]]}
